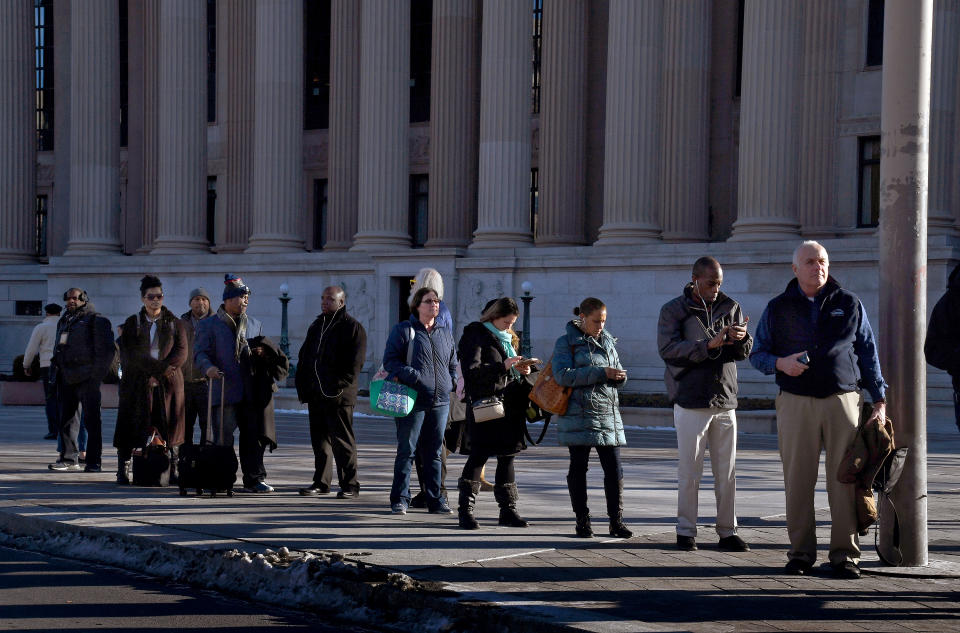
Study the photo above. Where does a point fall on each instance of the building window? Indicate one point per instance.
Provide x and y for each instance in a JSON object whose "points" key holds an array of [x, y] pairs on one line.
{"points": [[875, 33], [43, 53], [534, 198], [421, 36], [316, 65], [124, 73], [28, 308], [212, 210], [40, 227], [211, 61], [319, 213], [419, 192], [537, 45], [868, 212]]}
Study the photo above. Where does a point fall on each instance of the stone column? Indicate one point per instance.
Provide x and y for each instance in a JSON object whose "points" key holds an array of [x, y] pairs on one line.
{"points": [[633, 150], [383, 177], [278, 128], [503, 197], [238, 38], [943, 205], [343, 164], [563, 119], [769, 125], [95, 131], [820, 70], [182, 117], [686, 120], [18, 137], [454, 111]]}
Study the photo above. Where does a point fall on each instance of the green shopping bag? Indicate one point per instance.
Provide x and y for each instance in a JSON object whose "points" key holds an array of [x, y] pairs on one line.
{"points": [[391, 398]]}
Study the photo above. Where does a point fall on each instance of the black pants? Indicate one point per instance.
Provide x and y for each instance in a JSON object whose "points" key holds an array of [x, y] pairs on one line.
{"points": [[505, 470], [331, 435], [50, 402], [609, 461], [194, 407], [82, 399]]}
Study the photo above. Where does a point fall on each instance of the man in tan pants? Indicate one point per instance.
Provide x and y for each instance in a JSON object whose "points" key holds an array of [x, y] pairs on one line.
{"points": [[816, 338]]}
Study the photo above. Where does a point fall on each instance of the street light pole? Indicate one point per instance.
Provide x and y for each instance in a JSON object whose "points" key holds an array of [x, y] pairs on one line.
{"points": [[525, 342], [284, 339]]}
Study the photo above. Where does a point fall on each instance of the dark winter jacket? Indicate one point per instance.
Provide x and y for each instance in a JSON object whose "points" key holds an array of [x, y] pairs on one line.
{"points": [[942, 346], [136, 407], [190, 372], [484, 375], [331, 358], [697, 377], [269, 366], [432, 371], [214, 347], [593, 414], [835, 332], [89, 349]]}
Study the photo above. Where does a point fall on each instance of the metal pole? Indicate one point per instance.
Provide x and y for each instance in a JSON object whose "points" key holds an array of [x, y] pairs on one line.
{"points": [[284, 339], [904, 125]]}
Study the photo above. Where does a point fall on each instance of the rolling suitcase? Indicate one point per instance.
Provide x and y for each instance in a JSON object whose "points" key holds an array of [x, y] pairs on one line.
{"points": [[208, 466]]}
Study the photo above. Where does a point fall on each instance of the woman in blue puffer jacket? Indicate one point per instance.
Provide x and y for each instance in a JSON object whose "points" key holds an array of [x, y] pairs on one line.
{"points": [[586, 359], [421, 354]]}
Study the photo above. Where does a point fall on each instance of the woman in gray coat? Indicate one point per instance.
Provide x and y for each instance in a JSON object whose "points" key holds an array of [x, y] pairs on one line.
{"points": [[586, 359]]}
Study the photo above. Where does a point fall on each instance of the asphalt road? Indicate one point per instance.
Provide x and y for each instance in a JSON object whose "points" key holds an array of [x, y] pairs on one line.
{"points": [[45, 593]]}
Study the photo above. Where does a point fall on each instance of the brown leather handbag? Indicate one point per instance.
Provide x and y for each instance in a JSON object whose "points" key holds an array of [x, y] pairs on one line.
{"points": [[547, 394]]}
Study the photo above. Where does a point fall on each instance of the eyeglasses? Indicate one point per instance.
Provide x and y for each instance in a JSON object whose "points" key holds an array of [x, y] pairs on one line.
{"points": [[153, 297], [430, 301]]}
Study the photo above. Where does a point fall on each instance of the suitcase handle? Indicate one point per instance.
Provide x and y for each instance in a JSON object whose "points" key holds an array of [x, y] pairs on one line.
{"points": [[209, 430]]}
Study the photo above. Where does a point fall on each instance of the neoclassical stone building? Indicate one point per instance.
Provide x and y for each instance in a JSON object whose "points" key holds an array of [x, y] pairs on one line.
{"points": [[590, 147]]}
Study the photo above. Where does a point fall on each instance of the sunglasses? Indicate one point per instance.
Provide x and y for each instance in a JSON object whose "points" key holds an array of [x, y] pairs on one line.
{"points": [[153, 297], [430, 301]]}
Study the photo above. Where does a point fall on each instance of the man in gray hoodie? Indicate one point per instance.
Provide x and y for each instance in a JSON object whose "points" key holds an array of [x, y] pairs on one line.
{"points": [[701, 334]]}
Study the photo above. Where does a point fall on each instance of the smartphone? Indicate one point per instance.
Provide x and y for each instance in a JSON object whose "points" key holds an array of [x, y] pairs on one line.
{"points": [[528, 362], [804, 358]]}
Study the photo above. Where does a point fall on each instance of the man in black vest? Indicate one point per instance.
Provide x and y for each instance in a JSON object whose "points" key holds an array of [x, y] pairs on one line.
{"points": [[330, 361], [816, 338], [84, 349]]}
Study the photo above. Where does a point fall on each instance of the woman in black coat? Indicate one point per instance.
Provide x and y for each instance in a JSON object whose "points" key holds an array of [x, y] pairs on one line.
{"points": [[489, 362]]}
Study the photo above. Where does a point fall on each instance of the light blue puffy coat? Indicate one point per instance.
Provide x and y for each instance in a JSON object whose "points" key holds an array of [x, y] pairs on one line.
{"points": [[593, 416]]}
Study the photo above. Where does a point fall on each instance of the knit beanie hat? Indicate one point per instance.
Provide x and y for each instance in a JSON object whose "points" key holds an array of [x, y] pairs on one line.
{"points": [[233, 286], [199, 292]]}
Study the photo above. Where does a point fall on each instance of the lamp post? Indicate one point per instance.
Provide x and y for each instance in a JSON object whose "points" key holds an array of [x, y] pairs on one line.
{"points": [[284, 339], [525, 345]]}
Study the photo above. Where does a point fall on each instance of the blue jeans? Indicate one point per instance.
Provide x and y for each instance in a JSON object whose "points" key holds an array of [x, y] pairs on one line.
{"points": [[420, 431]]}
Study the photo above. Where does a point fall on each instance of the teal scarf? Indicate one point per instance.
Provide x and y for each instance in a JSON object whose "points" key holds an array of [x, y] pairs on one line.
{"points": [[506, 342]]}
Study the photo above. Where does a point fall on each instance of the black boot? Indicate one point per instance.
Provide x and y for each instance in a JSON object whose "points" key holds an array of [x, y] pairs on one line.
{"points": [[614, 492], [578, 499], [174, 456], [468, 497], [506, 496], [124, 467]]}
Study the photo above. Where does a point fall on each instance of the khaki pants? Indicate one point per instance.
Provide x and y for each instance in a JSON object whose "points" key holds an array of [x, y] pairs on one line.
{"points": [[805, 425]]}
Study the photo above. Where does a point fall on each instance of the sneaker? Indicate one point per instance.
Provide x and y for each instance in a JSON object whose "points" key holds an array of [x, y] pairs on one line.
{"points": [[797, 567], [733, 543], [259, 488], [62, 467], [441, 507], [399, 508], [95, 468], [686, 543], [847, 570]]}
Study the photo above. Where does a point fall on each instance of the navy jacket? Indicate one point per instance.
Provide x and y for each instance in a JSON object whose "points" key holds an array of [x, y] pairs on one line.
{"points": [[834, 330], [88, 347], [433, 368], [214, 347]]}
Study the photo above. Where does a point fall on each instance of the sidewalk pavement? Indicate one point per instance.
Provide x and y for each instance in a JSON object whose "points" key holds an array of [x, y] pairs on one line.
{"points": [[539, 578]]}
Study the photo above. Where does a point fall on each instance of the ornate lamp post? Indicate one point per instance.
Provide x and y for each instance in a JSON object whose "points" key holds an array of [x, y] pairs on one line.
{"points": [[525, 345], [284, 339]]}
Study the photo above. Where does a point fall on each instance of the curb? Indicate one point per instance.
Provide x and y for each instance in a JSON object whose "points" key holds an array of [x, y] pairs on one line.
{"points": [[328, 584]]}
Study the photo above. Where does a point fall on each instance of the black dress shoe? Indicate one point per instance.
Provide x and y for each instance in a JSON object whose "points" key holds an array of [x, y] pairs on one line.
{"points": [[797, 567], [314, 490], [733, 543], [92, 468], [686, 543], [347, 494], [847, 570]]}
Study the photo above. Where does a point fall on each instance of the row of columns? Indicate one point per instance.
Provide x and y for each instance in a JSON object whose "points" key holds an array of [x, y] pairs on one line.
{"points": [[655, 176]]}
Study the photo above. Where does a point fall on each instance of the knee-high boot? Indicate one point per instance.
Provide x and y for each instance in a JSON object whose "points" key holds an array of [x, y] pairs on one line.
{"points": [[468, 497], [578, 499], [507, 496], [614, 493]]}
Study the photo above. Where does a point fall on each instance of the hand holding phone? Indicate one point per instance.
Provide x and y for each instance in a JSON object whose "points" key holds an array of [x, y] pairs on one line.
{"points": [[804, 358], [528, 362]]}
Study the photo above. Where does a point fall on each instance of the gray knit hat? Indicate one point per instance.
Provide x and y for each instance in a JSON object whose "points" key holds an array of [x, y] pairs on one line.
{"points": [[199, 292]]}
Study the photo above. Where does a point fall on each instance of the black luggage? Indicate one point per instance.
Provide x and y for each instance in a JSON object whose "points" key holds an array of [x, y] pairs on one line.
{"points": [[208, 466], [151, 467]]}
